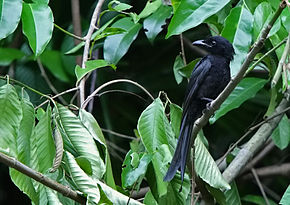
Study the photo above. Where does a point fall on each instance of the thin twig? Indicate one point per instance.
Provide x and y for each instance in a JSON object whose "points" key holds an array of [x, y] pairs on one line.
{"points": [[260, 186], [57, 95], [182, 49], [118, 134], [76, 21], [84, 104], [68, 33], [50, 85], [122, 91], [94, 19]]}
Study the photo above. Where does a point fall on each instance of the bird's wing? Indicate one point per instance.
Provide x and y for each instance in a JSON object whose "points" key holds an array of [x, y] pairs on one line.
{"points": [[196, 79]]}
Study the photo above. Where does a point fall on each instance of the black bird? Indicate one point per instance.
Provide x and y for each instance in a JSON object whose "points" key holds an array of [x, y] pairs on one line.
{"points": [[208, 79]]}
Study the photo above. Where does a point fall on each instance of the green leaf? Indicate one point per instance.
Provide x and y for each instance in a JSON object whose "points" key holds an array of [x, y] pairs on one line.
{"points": [[23, 182], [116, 46], [153, 24], [191, 13], [81, 140], [206, 167], [93, 127], [149, 199], [245, 90], [37, 25], [175, 118], [11, 114], [238, 30], [259, 200], [277, 38], [134, 175], [178, 64], [150, 7], [43, 141], [118, 6], [52, 60], [116, 197], [10, 13], [47, 195], [232, 195], [8, 55], [82, 180], [90, 66], [217, 194], [262, 16], [187, 70], [281, 135], [154, 127], [285, 18], [286, 197]]}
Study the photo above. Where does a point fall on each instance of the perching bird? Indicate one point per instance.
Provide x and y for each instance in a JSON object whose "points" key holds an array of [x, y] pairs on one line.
{"points": [[208, 79]]}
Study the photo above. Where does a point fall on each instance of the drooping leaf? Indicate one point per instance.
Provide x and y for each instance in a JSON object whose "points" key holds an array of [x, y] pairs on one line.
{"points": [[281, 135], [11, 113], [81, 139], [10, 13], [51, 59], [206, 167], [133, 175], [37, 25], [153, 24], [90, 66], [43, 141], [232, 195], [116, 46], [191, 13], [245, 90], [23, 182], [259, 200], [238, 30], [8, 55], [178, 64], [82, 180], [175, 118], [154, 127], [286, 197]]}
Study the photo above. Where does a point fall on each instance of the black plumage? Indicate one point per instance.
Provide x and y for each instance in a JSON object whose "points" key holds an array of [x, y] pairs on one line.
{"points": [[208, 79]]}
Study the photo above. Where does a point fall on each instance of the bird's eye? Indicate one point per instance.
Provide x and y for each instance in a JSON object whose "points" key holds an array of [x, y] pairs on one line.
{"points": [[213, 43]]}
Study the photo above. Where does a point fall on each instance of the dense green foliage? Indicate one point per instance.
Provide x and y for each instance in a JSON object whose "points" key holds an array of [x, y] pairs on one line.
{"points": [[137, 40]]}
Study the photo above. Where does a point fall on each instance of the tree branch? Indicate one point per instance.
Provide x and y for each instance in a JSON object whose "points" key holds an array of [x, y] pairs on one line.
{"points": [[87, 46], [65, 191]]}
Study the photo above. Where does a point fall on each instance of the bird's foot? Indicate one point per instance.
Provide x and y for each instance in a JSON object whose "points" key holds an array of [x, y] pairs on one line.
{"points": [[208, 105]]}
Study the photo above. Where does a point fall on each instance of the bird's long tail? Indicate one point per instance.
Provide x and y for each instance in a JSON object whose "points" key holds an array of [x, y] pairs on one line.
{"points": [[181, 151]]}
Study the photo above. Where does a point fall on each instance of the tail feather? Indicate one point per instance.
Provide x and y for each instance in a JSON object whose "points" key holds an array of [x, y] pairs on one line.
{"points": [[180, 154]]}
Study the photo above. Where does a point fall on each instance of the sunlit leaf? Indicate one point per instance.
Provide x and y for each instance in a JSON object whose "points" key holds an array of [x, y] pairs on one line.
{"points": [[286, 197], [232, 195], [281, 135]]}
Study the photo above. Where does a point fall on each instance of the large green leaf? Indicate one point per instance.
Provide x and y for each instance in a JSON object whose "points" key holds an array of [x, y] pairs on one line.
{"points": [[232, 195], [154, 127], [23, 182], [286, 197], [10, 13], [43, 140], [150, 7], [93, 127], [52, 60], [178, 64], [285, 18], [175, 118], [37, 25], [262, 16], [7, 55], [48, 196], [206, 167], [277, 38], [116, 46], [11, 113], [245, 90], [281, 135], [87, 185], [191, 13], [153, 24], [238, 30], [81, 140]]}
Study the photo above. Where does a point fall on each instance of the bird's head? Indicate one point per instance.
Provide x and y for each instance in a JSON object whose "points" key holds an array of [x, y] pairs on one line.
{"points": [[217, 45]]}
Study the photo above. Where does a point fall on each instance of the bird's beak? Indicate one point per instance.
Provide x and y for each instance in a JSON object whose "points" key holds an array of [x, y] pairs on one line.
{"points": [[201, 43]]}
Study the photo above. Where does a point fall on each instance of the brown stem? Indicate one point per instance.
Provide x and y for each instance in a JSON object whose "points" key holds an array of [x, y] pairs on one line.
{"points": [[76, 21]]}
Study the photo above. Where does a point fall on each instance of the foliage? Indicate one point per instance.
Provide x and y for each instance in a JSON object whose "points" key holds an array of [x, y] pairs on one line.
{"points": [[65, 142]]}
